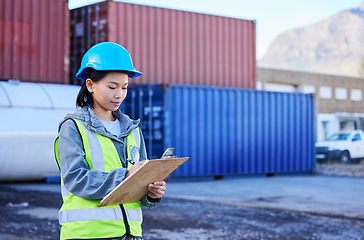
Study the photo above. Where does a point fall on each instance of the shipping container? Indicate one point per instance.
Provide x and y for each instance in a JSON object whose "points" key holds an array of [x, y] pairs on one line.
{"points": [[34, 40], [226, 131], [170, 46]]}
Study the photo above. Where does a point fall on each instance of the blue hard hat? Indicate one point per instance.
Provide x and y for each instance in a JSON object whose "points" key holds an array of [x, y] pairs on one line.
{"points": [[107, 56]]}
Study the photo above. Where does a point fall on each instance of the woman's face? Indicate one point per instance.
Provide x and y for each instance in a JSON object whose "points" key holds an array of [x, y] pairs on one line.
{"points": [[108, 93]]}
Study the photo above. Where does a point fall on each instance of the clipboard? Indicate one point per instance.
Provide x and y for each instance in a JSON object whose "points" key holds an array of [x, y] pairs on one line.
{"points": [[134, 187]]}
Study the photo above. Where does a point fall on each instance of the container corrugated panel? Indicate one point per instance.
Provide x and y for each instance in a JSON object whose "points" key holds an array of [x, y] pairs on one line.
{"points": [[34, 40], [170, 46], [226, 131]]}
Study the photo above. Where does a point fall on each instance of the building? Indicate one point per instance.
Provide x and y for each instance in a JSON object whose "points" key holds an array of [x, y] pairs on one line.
{"points": [[339, 99]]}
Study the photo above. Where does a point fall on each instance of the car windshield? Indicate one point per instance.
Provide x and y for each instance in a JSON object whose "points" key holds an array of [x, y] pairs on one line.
{"points": [[339, 137]]}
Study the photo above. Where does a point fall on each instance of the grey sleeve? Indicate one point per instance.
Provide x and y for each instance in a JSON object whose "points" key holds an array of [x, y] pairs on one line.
{"points": [[76, 174], [146, 203]]}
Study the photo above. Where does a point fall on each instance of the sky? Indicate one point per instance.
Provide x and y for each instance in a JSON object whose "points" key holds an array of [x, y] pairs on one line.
{"points": [[272, 16]]}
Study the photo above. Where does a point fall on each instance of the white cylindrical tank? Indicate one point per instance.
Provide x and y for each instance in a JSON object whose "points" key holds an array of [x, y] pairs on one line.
{"points": [[29, 118]]}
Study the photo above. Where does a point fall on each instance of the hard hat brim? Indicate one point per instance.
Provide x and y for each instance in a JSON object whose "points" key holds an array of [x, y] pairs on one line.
{"points": [[83, 74]]}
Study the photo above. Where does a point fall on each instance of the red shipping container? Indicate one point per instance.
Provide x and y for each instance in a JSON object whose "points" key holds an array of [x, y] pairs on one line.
{"points": [[34, 40], [170, 46]]}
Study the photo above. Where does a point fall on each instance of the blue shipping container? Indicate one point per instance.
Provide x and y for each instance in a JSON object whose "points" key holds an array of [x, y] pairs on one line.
{"points": [[226, 131]]}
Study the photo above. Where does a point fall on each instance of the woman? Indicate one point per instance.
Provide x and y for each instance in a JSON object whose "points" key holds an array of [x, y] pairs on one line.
{"points": [[98, 147]]}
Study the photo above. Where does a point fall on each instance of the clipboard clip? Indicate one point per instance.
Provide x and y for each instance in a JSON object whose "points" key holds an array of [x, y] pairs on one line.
{"points": [[169, 153]]}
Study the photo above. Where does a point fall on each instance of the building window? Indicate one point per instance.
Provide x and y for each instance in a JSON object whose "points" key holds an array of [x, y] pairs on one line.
{"points": [[325, 92], [278, 87], [355, 95], [348, 125], [341, 93], [308, 89]]}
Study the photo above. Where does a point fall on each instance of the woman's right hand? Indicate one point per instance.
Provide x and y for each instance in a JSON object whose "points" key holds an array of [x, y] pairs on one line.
{"points": [[135, 167]]}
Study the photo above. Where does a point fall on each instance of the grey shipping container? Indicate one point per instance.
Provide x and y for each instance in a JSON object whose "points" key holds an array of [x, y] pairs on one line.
{"points": [[170, 46], [34, 40], [226, 131]]}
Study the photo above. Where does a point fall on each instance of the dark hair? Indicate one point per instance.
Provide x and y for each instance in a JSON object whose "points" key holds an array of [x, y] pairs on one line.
{"points": [[84, 97]]}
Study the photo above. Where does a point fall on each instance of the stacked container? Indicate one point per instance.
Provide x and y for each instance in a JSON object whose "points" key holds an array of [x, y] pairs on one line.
{"points": [[203, 104], [34, 40], [207, 108], [170, 46]]}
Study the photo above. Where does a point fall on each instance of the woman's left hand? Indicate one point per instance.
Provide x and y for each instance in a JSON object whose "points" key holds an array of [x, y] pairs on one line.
{"points": [[157, 189]]}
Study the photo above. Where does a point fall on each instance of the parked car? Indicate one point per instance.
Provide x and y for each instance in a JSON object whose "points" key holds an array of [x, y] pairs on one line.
{"points": [[344, 146]]}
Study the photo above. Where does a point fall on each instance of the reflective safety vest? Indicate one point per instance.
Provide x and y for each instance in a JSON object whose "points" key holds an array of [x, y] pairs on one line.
{"points": [[82, 218]]}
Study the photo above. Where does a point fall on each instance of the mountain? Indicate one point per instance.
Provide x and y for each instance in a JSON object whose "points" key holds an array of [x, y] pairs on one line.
{"points": [[334, 46]]}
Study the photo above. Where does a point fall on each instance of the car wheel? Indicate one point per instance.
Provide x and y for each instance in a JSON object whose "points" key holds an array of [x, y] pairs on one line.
{"points": [[345, 157]]}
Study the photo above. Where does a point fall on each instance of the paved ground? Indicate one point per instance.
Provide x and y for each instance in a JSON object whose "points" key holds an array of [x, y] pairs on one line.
{"points": [[334, 169], [244, 207], [321, 194]]}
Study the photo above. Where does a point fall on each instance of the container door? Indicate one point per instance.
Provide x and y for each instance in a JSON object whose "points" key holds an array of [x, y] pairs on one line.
{"points": [[147, 104]]}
